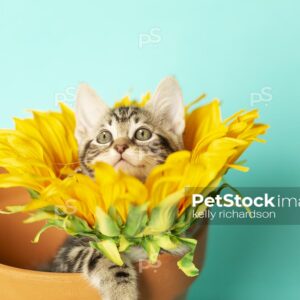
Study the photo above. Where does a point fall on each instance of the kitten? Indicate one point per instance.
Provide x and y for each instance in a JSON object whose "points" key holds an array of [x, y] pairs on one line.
{"points": [[134, 140]]}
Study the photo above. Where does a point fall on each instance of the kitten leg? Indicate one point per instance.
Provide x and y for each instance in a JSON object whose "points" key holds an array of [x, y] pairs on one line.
{"points": [[113, 282]]}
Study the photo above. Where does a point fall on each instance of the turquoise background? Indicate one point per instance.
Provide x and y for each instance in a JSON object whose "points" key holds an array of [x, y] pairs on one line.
{"points": [[229, 49]]}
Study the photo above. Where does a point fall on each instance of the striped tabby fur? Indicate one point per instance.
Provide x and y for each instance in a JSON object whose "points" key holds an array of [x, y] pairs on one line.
{"points": [[141, 156], [113, 282], [131, 139]]}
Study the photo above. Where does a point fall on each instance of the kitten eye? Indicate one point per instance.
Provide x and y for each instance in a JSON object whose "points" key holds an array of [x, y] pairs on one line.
{"points": [[104, 137], [143, 134]]}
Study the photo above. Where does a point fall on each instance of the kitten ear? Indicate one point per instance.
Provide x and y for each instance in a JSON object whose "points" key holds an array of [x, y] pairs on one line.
{"points": [[89, 110], [167, 104]]}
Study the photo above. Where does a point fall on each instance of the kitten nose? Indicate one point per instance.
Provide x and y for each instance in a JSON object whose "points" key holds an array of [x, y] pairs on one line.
{"points": [[121, 148]]}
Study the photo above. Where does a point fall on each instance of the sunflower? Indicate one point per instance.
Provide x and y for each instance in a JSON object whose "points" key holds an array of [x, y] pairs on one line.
{"points": [[114, 209], [39, 150]]}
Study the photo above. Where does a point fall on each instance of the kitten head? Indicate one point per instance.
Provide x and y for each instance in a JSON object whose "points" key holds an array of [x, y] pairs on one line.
{"points": [[131, 139]]}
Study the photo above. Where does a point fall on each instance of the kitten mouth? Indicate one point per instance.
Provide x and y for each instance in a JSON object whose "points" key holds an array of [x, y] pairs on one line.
{"points": [[122, 162]]}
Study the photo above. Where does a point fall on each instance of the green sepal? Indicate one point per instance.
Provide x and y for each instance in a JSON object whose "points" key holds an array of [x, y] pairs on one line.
{"points": [[109, 249], [105, 224], [152, 248], [124, 243], [166, 241], [54, 210], [186, 263], [230, 187], [112, 211], [33, 194], [40, 216], [136, 220], [201, 208], [12, 209], [52, 223], [75, 226], [164, 215], [184, 222]]}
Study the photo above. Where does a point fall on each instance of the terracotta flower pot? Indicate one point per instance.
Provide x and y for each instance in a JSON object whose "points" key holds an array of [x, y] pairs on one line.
{"points": [[19, 259]]}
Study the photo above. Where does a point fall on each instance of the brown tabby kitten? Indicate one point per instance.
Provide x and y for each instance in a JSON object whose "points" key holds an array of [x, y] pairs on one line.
{"points": [[131, 139]]}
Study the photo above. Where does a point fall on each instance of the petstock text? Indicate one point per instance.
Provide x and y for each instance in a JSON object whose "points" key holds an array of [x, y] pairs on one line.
{"points": [[252, 206]]}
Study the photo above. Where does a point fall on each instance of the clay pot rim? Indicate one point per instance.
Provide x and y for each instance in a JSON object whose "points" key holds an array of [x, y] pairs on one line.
{"points": [[55, 276], [33, 274]]}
